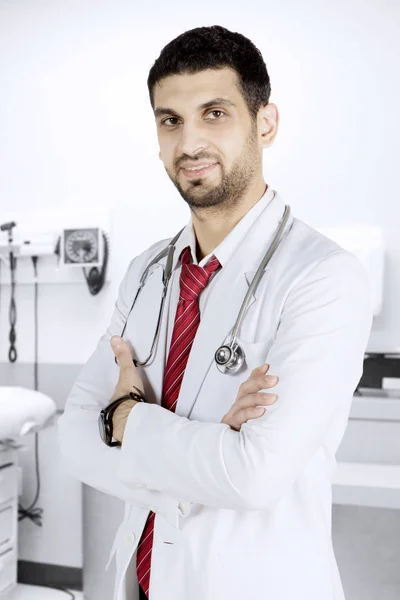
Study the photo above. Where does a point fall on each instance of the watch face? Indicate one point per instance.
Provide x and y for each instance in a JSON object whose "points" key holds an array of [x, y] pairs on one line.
{"points": [[101, 427]]}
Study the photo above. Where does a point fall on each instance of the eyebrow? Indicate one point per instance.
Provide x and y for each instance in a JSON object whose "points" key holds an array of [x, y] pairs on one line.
{"points": [[168, 111]]}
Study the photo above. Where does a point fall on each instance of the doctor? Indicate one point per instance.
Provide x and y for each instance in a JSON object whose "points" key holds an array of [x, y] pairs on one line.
{"points": [[223, 502]]}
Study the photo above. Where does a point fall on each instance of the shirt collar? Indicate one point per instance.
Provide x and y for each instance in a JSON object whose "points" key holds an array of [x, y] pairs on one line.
{"points": [[230, 243]]}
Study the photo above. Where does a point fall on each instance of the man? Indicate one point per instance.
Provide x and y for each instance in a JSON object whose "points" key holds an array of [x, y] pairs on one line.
{"points": [[224, 499]]}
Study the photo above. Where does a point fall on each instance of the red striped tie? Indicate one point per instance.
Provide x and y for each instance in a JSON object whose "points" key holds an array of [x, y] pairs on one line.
{"points": [[192, 281]]}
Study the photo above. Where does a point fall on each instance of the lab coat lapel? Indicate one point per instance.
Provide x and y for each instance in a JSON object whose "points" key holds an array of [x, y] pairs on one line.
{"points": [[223, 304], [216, 324]]}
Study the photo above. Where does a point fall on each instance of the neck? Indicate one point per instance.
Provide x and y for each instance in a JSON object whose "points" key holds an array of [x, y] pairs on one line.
{"points": [[210, 228]]}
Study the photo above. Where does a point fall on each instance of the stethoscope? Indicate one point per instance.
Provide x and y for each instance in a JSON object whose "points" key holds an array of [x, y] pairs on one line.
{"points": [[230, 357]]}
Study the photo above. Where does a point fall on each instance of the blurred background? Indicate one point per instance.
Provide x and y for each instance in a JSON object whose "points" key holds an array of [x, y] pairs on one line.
{"points": [[79, 156]]}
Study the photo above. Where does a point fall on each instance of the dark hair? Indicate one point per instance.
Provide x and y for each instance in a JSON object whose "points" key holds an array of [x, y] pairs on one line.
{"points": [[215, 47]]}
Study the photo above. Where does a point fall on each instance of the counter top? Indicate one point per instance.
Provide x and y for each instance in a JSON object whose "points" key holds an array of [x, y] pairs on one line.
{"points": [[375, 408], [365, 484]]}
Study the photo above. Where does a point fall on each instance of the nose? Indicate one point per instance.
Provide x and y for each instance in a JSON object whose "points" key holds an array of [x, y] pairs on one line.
{"points": [[191, 141]]}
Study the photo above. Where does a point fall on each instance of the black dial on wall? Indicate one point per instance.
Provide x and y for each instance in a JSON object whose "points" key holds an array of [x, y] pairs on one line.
{"points": [[81, 246]]}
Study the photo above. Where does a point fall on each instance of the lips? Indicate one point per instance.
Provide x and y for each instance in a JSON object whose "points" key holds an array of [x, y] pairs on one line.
{"points": [[198, 172]]}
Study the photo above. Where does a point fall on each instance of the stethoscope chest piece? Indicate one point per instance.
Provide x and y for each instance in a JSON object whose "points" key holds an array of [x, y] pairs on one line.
{"points": [[229, 359]]}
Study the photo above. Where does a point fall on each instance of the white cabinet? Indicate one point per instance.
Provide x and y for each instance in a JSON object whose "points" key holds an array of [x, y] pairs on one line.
{"points": [[8, 520]]}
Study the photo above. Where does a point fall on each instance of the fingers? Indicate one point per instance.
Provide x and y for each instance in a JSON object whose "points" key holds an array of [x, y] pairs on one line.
{"points": [[236, 419], [122, 352], [263, 369], [251, 400], [248, 407], [258, 380], [249, 413], [252, 407]]}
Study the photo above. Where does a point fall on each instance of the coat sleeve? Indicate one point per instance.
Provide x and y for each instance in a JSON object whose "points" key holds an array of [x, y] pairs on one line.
{"points": [[84, 453], [318, 356]]}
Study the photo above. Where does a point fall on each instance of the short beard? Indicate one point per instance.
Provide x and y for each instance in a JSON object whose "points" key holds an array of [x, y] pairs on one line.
{"points": [[232, 186]]}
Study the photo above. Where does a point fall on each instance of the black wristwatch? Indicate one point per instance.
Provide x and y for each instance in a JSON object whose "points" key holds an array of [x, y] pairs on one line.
{"points": [[105, 417]]}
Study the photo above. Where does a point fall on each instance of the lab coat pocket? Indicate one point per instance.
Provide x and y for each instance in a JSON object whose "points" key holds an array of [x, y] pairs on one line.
{"points": [[255, 353]]}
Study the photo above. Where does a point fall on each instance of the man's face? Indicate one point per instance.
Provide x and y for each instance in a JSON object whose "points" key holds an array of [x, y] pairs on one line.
{"points": [[222, 135]]}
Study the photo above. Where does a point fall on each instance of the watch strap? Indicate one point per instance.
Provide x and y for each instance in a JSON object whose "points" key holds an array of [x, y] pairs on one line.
{"points": [[107, 412], [129, 396]]}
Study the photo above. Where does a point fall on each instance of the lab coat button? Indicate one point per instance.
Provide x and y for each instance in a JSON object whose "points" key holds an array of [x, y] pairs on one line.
{"points": [[131, 538]]}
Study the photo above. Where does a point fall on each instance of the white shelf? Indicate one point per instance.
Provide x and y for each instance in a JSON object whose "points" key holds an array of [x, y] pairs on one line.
{"points": [[49, 272], [364, 484], [375, 408]]}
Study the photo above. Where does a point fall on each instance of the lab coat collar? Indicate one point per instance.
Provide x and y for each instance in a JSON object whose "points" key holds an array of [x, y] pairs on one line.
{"points": [[231, 242]]}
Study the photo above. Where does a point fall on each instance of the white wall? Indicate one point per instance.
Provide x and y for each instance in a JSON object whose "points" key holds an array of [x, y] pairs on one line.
{"points": [[77, 133]]}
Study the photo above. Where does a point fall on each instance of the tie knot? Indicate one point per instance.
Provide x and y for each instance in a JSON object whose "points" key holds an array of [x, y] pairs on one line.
{"points": [[193, 277]]}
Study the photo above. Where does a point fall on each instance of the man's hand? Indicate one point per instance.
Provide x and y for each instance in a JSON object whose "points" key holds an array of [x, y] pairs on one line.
{"points": [[128, 377], [248, 398]]}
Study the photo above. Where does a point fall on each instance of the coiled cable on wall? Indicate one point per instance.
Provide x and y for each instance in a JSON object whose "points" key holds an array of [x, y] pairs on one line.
{"points": [[95, 280], [32, 513], [12, 353]]}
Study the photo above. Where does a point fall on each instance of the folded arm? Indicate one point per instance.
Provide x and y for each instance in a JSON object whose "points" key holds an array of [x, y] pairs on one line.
{"points": [[84, 453], [317, 355]]}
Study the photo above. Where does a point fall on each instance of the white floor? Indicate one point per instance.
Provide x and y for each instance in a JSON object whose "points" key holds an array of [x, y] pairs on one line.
{"points": [[35, 592]]}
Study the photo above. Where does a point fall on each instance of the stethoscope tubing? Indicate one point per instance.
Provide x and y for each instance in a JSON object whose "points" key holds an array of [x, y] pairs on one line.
{"points": [[257, 277], [234, 348]]}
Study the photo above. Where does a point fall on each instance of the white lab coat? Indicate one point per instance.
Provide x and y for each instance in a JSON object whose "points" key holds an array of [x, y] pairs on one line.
{"points": [[239, 515]]}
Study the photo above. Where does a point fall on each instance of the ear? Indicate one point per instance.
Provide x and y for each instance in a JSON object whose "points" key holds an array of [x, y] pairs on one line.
{"points": [[269, 122]]}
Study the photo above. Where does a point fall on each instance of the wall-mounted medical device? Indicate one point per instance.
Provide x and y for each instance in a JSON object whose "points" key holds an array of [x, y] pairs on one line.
{"points": [[59, 252], [81, 247], [365, 242], [85, 247], [43, 244]]}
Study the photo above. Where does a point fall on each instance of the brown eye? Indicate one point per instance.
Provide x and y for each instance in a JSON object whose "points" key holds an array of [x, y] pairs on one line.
{"points": [[169, 119], [218, 111]]}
